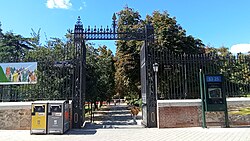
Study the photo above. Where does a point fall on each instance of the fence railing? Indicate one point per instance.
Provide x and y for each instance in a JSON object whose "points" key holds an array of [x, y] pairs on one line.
{"points": [[178, 76], [55, 80]]}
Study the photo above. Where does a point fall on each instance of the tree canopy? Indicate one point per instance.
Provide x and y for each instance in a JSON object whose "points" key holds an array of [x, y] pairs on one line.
{"points": [[168, 34], [110, 75]]}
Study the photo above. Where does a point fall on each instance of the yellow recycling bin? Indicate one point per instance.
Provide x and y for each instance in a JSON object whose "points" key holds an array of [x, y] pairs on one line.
{"points": [[39, 117]]}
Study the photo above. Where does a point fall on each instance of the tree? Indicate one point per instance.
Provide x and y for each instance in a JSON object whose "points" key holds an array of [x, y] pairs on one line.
{"points": [[107, 71], [171, 35], [127, 76], [13, 48], [54, 79], [92, 76], [168, 35], [100, 74], [1, 32], [235, 69], [35, 37]]}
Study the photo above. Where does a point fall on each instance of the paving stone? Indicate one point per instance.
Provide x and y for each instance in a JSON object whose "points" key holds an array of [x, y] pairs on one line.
{"points": [[117, 127]]}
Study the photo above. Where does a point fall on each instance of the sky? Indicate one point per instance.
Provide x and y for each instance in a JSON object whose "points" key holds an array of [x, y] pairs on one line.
{"points": [[216, 22]]}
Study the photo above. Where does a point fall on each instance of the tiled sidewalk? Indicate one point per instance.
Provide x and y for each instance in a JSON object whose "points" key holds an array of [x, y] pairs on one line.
{"points": [[118, 126], [135, 134]]}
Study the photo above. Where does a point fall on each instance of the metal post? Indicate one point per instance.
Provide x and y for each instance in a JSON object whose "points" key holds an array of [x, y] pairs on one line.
{"points": [[202, 100], [156, 96], [226, 111], [2, 93], [91, 111], [185, 79], [225, 101], [226, 116], [155, 68]]}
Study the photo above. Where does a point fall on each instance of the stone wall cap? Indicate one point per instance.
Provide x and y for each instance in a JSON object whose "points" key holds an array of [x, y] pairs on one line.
{"points": [[197, 102], [179, 102], [15, 105], [25, 105], [238, 99]]}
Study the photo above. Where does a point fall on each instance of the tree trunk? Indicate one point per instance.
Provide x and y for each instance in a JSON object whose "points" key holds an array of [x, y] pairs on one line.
{"points": [[95, 106], [101, 103]]}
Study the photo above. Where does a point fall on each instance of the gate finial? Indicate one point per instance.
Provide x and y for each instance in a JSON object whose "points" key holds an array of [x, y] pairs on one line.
{"points": [[79, 21], [114, 23], [114, 17]]}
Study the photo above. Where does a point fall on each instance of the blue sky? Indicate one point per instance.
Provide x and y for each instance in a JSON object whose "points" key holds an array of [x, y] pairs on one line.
{"points": [[216, 22]]}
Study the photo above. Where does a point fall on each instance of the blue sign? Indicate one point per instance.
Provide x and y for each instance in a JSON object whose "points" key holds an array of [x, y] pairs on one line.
{"points": [[213, 78]]}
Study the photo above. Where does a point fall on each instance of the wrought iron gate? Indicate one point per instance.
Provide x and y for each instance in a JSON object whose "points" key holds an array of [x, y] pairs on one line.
{"points": [[149, 102], [145, 34], [64, 77], [78, 98]]}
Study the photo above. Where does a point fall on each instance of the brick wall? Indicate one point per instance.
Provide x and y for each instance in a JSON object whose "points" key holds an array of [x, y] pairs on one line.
{"points": [[179, 117], [188, 113]]}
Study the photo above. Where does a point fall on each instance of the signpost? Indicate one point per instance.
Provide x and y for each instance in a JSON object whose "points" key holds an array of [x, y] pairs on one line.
{"points": [[212, 96]]}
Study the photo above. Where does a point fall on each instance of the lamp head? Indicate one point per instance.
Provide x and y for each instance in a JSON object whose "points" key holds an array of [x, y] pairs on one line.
{"points": [[155, 67]]}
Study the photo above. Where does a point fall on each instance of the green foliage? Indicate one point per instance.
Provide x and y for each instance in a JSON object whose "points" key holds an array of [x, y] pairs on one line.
{"points": [[1, 32], [35, 37], [127, 76], [13, 48], [109, 75], [171, 35], [168, 34], [100, 74], [235, 69]]}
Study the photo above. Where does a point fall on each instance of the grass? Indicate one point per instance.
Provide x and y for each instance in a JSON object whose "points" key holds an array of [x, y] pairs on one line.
{"points": [[242, 111]]}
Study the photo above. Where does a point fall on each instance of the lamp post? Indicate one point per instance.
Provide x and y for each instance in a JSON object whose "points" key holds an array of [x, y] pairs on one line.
{"points": [[155, 68]]}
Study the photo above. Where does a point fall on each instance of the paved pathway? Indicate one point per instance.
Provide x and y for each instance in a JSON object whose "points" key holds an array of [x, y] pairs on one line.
{"points": [[118, 126], [114, 116]]}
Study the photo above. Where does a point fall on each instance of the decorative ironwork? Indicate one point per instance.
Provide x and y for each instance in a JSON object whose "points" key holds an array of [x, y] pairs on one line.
{"points": [[114, 33], [79, 76], [145, 34], [149, 108], [110, 33]]}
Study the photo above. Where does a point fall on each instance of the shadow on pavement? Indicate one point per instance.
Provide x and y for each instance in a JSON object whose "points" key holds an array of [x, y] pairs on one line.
{"points": [[239, 126], [80, 132], [114, 116]]}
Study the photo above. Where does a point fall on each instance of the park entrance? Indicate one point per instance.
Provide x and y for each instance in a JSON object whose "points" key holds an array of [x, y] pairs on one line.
{"points": [[178, 73], [145, 34], [61, 70], [62, 75]]}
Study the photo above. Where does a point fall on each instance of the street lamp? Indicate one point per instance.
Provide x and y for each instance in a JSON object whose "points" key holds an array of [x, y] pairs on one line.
{"points": [[155, 68]]}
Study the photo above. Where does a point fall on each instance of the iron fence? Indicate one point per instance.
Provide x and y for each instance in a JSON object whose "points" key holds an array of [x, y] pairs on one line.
{"points": [[178, 76], [54, 81]]}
